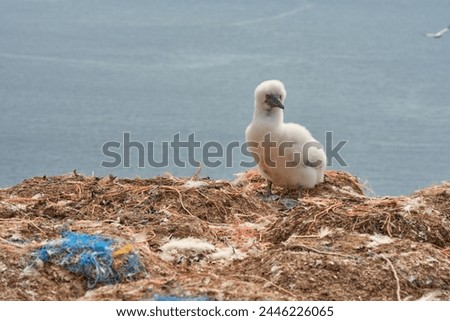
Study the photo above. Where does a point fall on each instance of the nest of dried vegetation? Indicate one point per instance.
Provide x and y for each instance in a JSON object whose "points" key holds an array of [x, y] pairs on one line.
{"points": [[335, 243]]}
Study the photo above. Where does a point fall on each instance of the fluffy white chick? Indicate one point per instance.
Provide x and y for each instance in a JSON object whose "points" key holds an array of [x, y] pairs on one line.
{"points": [[286, 153]]}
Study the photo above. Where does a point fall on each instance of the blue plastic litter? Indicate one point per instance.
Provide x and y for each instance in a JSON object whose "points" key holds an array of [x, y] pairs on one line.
{"points": [[100, 259], [157, 297]]}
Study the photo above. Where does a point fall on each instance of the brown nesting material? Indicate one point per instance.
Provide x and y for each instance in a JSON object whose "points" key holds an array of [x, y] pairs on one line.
{"points": [[335, 243]]}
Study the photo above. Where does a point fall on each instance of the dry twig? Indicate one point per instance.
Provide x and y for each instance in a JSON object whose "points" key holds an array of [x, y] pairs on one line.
{"points": [[296, 246], [397, 281], [180, 197]]}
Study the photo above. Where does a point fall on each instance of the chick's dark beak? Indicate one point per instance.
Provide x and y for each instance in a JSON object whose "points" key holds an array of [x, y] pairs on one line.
{"points": [[274, 101]]}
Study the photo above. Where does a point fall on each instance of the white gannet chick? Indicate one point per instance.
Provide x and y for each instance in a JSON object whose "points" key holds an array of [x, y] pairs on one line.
{"points": [[286, 153]]}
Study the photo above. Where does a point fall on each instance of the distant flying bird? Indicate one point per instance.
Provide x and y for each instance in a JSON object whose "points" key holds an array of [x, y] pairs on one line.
{"points": [[280, 164], [438, 34]]}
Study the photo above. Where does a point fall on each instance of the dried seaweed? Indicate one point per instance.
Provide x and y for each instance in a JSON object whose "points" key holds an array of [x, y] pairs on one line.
{"points": [[320, 248]]}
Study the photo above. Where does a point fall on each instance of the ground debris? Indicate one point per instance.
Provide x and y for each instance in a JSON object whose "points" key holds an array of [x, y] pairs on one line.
{"points": [[333, 243]]}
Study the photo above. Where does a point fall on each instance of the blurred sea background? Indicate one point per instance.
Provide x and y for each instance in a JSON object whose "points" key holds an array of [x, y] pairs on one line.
{"points": [[77, 74]]}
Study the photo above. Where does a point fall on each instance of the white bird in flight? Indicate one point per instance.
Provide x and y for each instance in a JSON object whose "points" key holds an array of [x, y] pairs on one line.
{"points": [[438, 34], [286, 153]]}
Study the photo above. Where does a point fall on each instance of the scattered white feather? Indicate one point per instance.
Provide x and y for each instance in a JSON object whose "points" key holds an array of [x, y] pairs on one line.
{"points": [[352, 192], [324, 232], [189, 244], [227, 254], [190, 247], [186, 247], [417, 204], [30, 271], [276, 270], [63, 203], [37, 196], [431, 296], [167, 175], [348, 191], [414, 205], [253, 226], [165, 211], [17, 237], [378, 239], [167, 257], [14, 207], [195, 184], [140, 237], [3, 267], [431, 260], [239, 178]]}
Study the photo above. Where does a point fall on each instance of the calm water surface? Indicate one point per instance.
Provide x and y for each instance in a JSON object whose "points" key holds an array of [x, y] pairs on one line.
{"points": [[77, 74]]}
